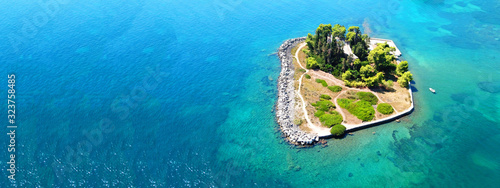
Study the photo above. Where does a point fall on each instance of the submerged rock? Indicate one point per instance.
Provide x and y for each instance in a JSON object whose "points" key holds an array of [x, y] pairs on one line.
{"points": [[489, 87]]}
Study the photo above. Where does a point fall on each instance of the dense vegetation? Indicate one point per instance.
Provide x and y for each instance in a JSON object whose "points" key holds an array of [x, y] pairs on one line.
{"points": [[385, 108], [308, 76], [369, 69], [335, 88], [326, 113], [405, 79], [337, 130], [325, 53]]}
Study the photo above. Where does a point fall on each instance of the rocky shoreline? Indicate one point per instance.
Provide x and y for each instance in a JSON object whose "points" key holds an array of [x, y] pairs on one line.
{"points": [[286, 97]]}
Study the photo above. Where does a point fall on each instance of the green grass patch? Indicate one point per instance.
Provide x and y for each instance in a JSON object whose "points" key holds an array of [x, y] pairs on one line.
{"points": [[302, 70], [335, 88], [323, 105], [344, 103], [307, 76], [338, 130], [363, 110], [385, 108], [319, 113], [330, 120], [325, 97], [322, 82], [368, 97]]}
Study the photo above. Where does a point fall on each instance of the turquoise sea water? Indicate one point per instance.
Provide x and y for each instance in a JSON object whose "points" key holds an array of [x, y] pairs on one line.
{"points": [[181, 94]]}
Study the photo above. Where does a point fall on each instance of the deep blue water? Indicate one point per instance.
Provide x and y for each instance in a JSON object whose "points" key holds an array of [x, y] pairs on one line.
{"points": [[181, 94]]}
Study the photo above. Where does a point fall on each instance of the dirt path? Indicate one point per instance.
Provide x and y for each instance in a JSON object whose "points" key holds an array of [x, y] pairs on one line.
{"points": [[321, 131], [317, 129]]}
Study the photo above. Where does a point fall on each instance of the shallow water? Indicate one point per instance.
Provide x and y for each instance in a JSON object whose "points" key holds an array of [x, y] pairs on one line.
{"points": [[204, 115]]}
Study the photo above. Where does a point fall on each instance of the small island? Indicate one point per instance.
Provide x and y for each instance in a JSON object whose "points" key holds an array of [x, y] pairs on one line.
{"points": [[337, 81]]}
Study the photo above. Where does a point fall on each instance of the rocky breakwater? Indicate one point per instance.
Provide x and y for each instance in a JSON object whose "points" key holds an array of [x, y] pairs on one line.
{"points": [[286, 97]]}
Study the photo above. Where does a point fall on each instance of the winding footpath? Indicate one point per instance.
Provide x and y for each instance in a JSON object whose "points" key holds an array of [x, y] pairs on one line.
{"points": [[323, 131], [319, 130]]}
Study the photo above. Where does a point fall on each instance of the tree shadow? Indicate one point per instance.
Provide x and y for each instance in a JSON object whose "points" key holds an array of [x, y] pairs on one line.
{"points": [[381, 89], [413, 89], [412, 86]]}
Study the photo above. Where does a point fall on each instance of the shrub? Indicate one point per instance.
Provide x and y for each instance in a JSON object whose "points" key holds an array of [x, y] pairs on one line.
{"points": [[344, 103], [363, 110], [324, 105], [326, 97], [307, 76], [335, 88], [302, 70], [385, 108], [368, 97], [323, 82], [338, 130], [319, 113], [330, 120]]}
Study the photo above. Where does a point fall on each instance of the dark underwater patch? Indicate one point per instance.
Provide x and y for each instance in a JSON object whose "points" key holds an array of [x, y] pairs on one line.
{"points": [[489, 87]]}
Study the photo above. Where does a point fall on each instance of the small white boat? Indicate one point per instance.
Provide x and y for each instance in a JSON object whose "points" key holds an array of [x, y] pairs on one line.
{"points": [[432, 90]]}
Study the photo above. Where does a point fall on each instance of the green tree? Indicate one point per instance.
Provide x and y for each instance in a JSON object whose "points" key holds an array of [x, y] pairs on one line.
{"points": [[327, 53], [347, 75], [353, 29], [402, 68], [367, 71], [312, 63], [360, 50], [338, 31], [351, 37], [321, 38], [358, 64], [381, 57], [374, 80], [310, 41], [405, 78]]}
